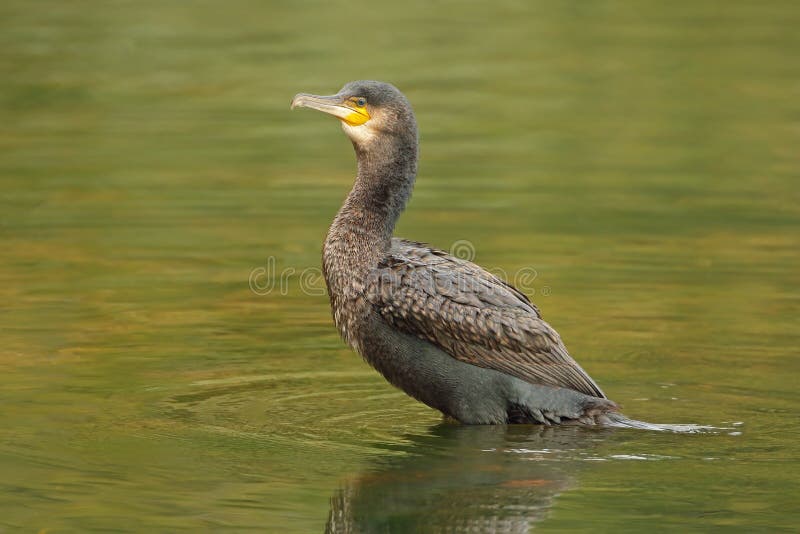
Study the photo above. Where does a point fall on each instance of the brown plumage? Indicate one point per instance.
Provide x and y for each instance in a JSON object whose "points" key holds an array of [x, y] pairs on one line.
{"points": [[472, 315], [442, 329]]}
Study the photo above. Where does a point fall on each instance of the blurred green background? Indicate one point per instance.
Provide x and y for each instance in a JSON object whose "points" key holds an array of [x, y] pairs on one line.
{"points": [[641, 157]]}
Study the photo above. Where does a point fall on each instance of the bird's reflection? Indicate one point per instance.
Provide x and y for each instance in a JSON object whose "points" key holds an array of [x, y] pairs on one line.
{"points": [[466, 479]]}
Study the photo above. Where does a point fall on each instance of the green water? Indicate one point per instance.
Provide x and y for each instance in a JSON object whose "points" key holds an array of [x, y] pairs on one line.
{"points": [[641, 157]]}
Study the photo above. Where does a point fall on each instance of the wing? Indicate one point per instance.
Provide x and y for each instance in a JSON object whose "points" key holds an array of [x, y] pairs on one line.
{"points": [[472, 315]]}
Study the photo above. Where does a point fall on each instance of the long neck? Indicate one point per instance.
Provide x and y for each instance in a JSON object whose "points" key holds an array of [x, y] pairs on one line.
{"points": [[361, 233], [386, 173]]}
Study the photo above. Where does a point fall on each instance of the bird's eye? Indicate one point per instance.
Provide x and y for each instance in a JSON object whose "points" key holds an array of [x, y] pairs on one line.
{"points": [[361, 102]]}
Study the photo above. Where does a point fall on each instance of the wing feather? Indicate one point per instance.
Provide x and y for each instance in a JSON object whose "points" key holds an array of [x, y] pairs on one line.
{"points": [[472, 315]]}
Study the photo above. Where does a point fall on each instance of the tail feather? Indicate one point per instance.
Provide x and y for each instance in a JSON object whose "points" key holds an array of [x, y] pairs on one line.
{"points": [[616, 419]]}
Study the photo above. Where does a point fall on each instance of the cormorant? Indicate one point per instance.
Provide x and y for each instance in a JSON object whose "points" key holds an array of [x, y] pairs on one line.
{"points": [[441, 328]]}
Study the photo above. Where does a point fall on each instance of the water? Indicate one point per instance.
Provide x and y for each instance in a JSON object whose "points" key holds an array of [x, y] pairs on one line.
{"points": [[638, 165]]}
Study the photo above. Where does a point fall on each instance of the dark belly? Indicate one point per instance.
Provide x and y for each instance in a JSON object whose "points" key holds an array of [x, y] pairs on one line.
{"points": [[425, 372]]}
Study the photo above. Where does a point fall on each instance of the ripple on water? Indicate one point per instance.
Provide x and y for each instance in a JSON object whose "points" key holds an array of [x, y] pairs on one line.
{"points": [[330, 411], [335, 413]]}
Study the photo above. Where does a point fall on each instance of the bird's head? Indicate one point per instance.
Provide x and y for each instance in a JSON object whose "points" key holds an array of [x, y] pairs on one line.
{"points": [[369, 111]]}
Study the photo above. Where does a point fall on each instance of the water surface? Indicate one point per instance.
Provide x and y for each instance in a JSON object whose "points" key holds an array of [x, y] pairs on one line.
{"points": [[637, 163]]}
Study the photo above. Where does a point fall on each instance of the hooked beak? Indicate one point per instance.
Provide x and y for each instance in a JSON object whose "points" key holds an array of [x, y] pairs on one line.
{"points": [[335, 105]]}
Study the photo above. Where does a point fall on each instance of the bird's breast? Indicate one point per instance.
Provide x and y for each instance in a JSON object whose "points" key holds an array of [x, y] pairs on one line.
{"points": [[347, 293]]}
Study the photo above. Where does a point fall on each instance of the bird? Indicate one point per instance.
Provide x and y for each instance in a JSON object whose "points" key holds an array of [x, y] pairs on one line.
{"points": [[440, 328]]}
